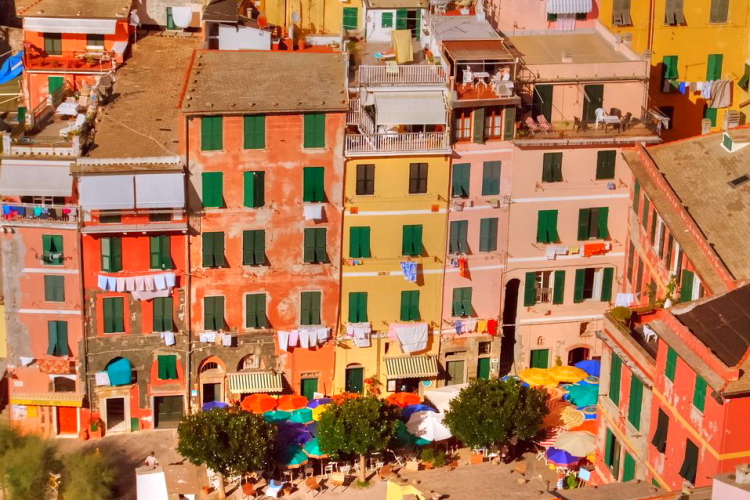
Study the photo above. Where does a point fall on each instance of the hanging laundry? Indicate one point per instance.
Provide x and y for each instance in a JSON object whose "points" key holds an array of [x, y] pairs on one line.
{"points": [[160, 282], [551, 252], [130, 283], [410, 271], [470, 325], [721, 93], [171, 279], [293, 338], [561, 250], [120, 283], [683, 87], [463, 267], [454, 262], [181, 16], [226, 340], [209, 337], [150, 295], [168, 338], [313, 212], [706, 92], [304, 338], [492, 327], [102, 378], [283, 340], [392, 334], [412, 336], [140, 283], [624, 299], [482, 326], [594, 249], [574, 250], [362, 335], [322, 334], [458, 325]]}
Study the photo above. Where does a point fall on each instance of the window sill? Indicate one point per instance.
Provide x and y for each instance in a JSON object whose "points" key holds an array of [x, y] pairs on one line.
{"points": [[319, 149]]}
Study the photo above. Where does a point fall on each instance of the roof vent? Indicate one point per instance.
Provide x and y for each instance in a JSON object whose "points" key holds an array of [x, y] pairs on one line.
{"points": [[734, 140], [742, 474], [735, 183]]}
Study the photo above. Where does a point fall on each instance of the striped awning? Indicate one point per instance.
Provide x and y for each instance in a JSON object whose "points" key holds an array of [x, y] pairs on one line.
{"points": [[54, 399], [240, 383], [411, 367], [569, 6]]}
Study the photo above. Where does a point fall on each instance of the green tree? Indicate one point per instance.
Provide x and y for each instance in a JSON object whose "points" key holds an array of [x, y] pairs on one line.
{"points": [[490, 412], [229, 441], [27, 467], [358, 426], [87, 476]]}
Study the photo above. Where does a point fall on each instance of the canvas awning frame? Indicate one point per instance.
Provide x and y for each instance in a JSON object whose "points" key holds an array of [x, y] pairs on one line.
{"points": [[29, 178], [70, 25], [411, 367], [410, 108], [56, 399], [132, 191], [569, 6], [250, 382]]}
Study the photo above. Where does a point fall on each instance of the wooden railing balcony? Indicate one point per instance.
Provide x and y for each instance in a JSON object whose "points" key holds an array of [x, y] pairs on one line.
{"points": [[398, 143], [93, 61], [35, 214], [417, 74]]}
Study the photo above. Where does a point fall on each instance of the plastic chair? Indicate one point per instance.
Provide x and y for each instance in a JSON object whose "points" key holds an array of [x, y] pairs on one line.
{"points": [[274, 488], [544, 124], [313, 485], [531, 124], [75, 126], [468, 77], [599, 114]]}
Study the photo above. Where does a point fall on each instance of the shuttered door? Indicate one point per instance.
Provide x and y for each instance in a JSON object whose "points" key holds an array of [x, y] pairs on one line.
{"points": [[355, 380], [540, 358], [309, 387], [636, 402], [542, 101], [529, 291], [559, 290], [509, 124], [477, 135], [351, 18], [592, 101], [686, 286], [455, 371], [169, 411], [580, 280], [584, 227]]}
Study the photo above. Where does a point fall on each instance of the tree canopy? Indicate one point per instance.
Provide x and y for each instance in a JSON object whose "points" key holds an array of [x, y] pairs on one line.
{"points": [[25, 464], [87, 476], [490, 412]]}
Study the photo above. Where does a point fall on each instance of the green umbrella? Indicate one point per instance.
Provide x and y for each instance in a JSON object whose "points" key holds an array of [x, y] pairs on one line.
{"points": [[406, 437], [583, 395], [312, 449], [303, 416], [276, 416], [293, 456]]}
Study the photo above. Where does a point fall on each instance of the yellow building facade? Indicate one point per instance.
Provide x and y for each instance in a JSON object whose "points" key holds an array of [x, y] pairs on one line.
{"points": [[704, 40], [385, 212], [316, 17]]}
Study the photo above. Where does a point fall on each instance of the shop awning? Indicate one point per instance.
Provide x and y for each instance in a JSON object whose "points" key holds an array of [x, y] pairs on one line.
{"points": [[56, 399], [568, 6], [29, 178], [477, 50], [401, 41], [410, 108], [69, 25], [241, 383], [160, 190], [107, 192], [411, 367]]}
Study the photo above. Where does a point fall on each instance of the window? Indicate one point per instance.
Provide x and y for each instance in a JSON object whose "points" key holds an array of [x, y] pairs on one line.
{"points": [[484, 348], [713, 71], [57, 332], [689, 468], [612, 453], [615, 374], [411, 243], [170, 20], [460, 181], [410, 305], [462, 124], [667, 111], [255, 132], [160, 216], [213, 313], [636, 402], [593, 99], [386, 20], [539, 358], [621, 13], [592, 223], [488, 235], [605, 164], [543, 286], [351, 18], [161, 257], [114, 317], [167, 367], [54, 288], [213, 189], [417, 178], [213, 249], [310, 308], [662, 430], [699, 393], [628, 469], [660, 237], [670, 73], [671, 368], [212, 133], [255, 187], [644, 217], [542, 102], [686, 286], [744, 81], [509, 123], [711, 114], [163, 308], [636, 197], [254, 247], [631, 261], [493, 123], [558, 287], [359, 242], [652, 230], [491, 178], [673, 13], [552, 167], [111, 249], [52, 249], [593, 283], [365, 179], [462, 302], [458, 237], [255, 310], [670, 250], [53, 43], [477, 130], [315, 246], [315, 130], [314, 185], [93, 40], [357, 307], [546, 228]]}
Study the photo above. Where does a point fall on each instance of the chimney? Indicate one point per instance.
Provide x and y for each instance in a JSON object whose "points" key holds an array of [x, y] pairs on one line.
{"points": [[742, 474]]}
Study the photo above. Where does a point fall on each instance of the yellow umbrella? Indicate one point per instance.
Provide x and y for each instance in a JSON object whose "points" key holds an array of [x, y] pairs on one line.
{"points": [[571, 417], [537, 376], [567, 373], [318, 411]]}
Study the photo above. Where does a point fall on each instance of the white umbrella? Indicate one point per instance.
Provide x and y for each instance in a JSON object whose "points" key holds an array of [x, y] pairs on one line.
{"points": [[442, 397], [428, 425], [579, 444]]}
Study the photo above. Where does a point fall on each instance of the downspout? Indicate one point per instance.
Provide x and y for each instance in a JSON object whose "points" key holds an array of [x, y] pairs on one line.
{"points": [[651, 25], [188, 274], [79, 239]]}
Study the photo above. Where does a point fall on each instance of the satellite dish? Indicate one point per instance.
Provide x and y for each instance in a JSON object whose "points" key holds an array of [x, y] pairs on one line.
{"points": [[295, 17]]}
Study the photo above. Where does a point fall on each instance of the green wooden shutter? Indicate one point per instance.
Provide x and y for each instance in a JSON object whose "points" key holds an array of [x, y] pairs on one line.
{"points": [[321, 254], [715, 62], [417, 240], [315, 130], [414, 306], [607, 280], [207, 249], [52, 347], [401, 19], [584, 229], [405, 298], [509, 123], [477, 135], [155, 252], [407, 240], [260, 189], [605, 164], [54, 288], [529, 292], [615, 374], [351, 18], [158, 322], [671, 68], [260, 310], [547, 175], [699, 393], [315, 307], [386, 20], [357, 307], [540, 358], [636, 197], [218, 313], [251, 319], [454, 245], [466, 301], [162, 364], [636, 402], [119, 320], [662, 431], [602, 222], [711, 114], [578, 288], [364, 242], [458, 309], [309, 245], [62, 338], [109, 315], [609, 447], [255, 132], [314, 184], [218, 249], [362, 307], [556, 167], [491, 178], [541, 226], [249, 178], [211, 133], [463, 234], [165, 252], [671, 366], [248, 248], [686, 286], [644, 217], [260, 247], [743, 83], [460, 179], [488, 235], [559, 289], [116, 259], [213, 189], [690, 464], [628, 471], [552, 227]]}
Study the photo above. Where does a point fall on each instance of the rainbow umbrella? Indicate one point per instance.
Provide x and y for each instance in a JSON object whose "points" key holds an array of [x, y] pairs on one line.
{"points": [[567, 373], [302, 416], [319, 402], [292, 402], [312, 449], [276, 416]]}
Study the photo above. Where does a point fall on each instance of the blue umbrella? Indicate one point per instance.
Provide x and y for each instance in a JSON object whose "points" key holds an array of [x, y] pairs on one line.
{"points": [[214, 405], [561, 457], [590, 366], [320, 401], [312, 429], [276, 416], [408, 410], [590, 380], [290, 432]]}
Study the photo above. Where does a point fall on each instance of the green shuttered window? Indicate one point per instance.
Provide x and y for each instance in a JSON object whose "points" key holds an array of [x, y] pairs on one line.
{"points": [[315, 246], [713, 71], [671, 69], [605, 164], [53, 44], [410, 305], [542, 101], [628, 469], [529, 291], [636, 402], [411, 243], [491, 178], [351, 18], [255, 132], [57, 333], [401, 15], [689, 468], [213, 249], [254, 247], [699, 393], [213, 189], [160, 252], [357, 307], [719, 11], [546, 229], [212, 133], [359, 242], [310, 308], [255, 310], [163, 307], [636, 197], [386, 20], [686, 286], [167, 367], [114, 317], [111, 250], [170, 20], [477, 129], [662, 431], [461, 180], [615, 375], [313, 185], [558, 296], [552, 167], [315, 130], [608, 277], [213, 313], [462, 302], [52, 249], [459, 231], [592, 223], [540, 358], [488, 235], [671, 367], [255, 189], [54, 288], [509, 123]]}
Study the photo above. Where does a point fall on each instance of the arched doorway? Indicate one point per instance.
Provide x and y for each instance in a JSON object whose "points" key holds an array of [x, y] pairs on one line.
{"points": [[577, 355], [211, 378], [510, 310]]}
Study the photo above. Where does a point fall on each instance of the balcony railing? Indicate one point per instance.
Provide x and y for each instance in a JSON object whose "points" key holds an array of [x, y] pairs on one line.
{"points": [[544, 295], [398, 143], [94, 61], [40, 145], [38, 214], [417, 74], [134, 220]]}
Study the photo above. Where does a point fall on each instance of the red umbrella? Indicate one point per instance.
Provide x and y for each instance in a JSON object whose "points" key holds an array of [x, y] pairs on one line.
{"points": [[403, 399], [258, 403], [292, 402]]}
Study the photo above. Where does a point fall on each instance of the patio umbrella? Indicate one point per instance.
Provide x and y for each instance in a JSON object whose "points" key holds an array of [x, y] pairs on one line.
{"points": [[405, 437], [291, 402], [590, 366], [258, 403], [561, 457], [571, 417], [590, 426], [303, 416], [312, 449], [276, 416], [428, 425], [567, 373], [408, 411], [318, 402], [312, 429], [403, 399], [538, 377], [583, 395], [578, 444], [590, 380], [318, 411], [293, 456], [214, 405], [292, 433]]}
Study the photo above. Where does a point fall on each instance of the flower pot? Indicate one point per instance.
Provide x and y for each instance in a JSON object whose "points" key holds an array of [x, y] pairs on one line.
{"points": [[427, 465]]}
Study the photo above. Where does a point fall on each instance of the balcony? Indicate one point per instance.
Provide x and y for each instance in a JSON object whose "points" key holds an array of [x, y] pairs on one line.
{"points": [[77, 61], [41, 145], [124, 221], [398, 143], [420, 74], [28, 214]]}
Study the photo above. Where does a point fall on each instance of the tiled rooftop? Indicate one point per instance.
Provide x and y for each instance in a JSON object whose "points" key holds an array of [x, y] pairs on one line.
{"points": [[103, 9], [583, 48]]}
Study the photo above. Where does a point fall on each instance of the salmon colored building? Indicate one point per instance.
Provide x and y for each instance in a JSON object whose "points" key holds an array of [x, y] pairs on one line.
{"points": [[265, 196]]}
